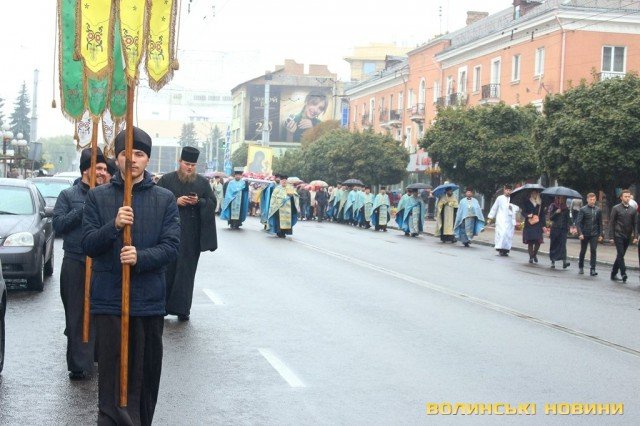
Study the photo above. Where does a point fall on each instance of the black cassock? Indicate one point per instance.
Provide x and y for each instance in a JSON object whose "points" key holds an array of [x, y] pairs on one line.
{"points": [[198, 234]]}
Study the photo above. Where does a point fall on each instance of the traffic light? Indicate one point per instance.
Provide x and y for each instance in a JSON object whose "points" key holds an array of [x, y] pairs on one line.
{"points": [[60, 159]]}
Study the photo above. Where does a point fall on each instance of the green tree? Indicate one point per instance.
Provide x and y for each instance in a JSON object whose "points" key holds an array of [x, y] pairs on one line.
{"points": [[1, 112], [20, 122], [239, 156], [59, 151], [485, 146], [290, 163], [188, 136], [588, 138]]}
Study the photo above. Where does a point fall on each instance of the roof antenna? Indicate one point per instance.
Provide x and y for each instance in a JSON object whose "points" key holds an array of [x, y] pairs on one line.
{"points": [[440, 17]]}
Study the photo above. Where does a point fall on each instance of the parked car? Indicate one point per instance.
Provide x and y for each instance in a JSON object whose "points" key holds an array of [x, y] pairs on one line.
{"points": [[26, 233], [3, 310], [71, 175], [51, 187]]}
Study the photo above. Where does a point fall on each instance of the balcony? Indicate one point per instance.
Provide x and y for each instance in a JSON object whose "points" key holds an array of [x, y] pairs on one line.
{"points": [[394, 119], [606, 75], [417, 113], [441, 102], [384, 115], [490, 94]]}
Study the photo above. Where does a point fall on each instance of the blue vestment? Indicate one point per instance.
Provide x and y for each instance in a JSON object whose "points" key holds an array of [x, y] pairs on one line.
{"points": [[468, 209], [236, 197]]}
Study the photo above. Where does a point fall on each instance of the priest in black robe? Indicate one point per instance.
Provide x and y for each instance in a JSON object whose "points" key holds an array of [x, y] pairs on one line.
{"points": [[197, 206]]}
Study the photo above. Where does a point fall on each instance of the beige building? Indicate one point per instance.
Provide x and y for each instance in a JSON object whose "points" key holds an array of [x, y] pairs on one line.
{"points": [[366, 61]]}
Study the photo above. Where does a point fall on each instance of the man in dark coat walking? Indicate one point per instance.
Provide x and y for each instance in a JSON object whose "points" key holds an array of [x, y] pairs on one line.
{"points": [[155, 234], [67, 222], [623, 223], [197, 205]]}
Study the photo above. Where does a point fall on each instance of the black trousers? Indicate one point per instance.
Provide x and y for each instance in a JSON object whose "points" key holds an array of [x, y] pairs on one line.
{"points": [[592, 242], [79, 355], [622, 244], [145, 368]]}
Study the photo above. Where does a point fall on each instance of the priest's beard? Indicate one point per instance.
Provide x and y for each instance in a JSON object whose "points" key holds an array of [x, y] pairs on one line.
{"points": [[186, 178]]}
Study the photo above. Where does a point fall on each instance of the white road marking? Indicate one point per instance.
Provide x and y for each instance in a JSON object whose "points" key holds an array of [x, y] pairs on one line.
{"points": [[212, 296], [284, 371], [475, 300]]}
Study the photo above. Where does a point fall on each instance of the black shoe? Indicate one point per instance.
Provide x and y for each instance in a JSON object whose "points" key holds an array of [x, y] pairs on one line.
{"points": [[614, 277], [535, 259], [565, 265], [593, 273], [183, 317], [414, 235], [624, 278], [531, 260], [581, 271], [77, 375], [406, 234], [553, 265], [466, 244]]}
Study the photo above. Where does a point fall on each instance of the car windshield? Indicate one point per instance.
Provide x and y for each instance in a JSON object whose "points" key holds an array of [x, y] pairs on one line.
{"points": [[15, 200], [51, 189]]}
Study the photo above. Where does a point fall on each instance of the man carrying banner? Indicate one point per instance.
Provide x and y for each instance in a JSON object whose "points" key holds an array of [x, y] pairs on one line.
{"points": [[197, 205], [236, 201], [67, 222], [156, 237]]}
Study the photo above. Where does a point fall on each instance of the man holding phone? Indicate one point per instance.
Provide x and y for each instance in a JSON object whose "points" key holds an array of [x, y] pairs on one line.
{"points": [[197, 206]]}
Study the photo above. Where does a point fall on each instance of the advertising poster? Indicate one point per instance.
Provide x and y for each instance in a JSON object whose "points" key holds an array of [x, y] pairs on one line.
{"points": [[292, 111]]}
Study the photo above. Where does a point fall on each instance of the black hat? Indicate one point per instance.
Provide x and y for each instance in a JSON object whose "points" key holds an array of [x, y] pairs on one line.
{"points": [[284, 177], [112, 168], [189, 154], [85, 159], [383, 187], [469, 188], [141, 141], [508, 186], [238, 170]]}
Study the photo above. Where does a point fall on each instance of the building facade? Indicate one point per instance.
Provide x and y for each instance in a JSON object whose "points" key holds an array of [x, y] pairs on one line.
{"points": [[516, 56]]}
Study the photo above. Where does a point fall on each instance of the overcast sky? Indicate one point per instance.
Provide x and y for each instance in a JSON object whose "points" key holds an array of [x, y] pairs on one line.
{"points": [[251, 36]]}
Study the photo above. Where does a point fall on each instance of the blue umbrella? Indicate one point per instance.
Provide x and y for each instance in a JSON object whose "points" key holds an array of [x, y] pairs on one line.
{"points": [[444, 188]]}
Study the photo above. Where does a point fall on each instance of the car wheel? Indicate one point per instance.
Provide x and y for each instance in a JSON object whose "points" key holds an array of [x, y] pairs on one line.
{"points": [[36, 282], [48, 267]]}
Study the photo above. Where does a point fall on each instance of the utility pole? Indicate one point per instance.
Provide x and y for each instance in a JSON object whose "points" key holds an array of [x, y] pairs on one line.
{"points": [[265, 124]]}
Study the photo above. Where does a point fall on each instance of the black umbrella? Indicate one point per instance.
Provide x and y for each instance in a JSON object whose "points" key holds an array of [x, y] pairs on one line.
{"points": [[419, 185], [353, 182], [521, 194], [561, 191]]}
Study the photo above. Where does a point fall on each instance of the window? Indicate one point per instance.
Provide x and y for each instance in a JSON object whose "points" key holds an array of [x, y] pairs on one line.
{"points": [[410, 99], [462, 80], [515, 68], [400, 100], [372, 108], [436, 91], [407, 141], [368, 68], [422, 93], [613, 59], [496, 65], [516, 12], [477, 78], [199, 97], [539, 65], [390, 101]]}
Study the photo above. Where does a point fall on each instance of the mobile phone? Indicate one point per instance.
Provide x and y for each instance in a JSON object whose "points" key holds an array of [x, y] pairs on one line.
{"points": [[193, 194]]}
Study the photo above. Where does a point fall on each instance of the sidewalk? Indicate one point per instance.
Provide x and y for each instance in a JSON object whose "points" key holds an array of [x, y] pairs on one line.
{"points": [[606, 251]]}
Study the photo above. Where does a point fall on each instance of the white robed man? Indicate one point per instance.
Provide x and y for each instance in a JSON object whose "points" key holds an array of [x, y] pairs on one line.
{"points": [[284, 207], [216, 187], [380, 212], [469, 218], [446, 216], [504, 213]]}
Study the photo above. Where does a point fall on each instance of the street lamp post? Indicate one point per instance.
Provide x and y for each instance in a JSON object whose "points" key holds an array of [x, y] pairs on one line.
{"points": [[18, 144], [7, 135]]}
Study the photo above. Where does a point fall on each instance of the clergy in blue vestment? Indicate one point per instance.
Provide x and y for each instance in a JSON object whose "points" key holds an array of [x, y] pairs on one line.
{"points": [[284, 207], [364, 215], [265, 200], [469, 218], [413, 214], [380, 212], [400, 209], [347, 215], [236, 201], [358, 207]]}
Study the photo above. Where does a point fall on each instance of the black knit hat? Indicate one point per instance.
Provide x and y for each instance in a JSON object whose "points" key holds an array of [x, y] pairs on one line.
{"points": [[189, 154], [141, 141], [112, 167], [85, 159]]}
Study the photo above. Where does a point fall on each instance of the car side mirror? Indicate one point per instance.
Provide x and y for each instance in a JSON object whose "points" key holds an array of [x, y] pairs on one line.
{"points": [[48, 211]]}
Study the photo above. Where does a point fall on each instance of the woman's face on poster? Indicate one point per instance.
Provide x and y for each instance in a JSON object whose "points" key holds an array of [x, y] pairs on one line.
{"points": [[315, 107]]}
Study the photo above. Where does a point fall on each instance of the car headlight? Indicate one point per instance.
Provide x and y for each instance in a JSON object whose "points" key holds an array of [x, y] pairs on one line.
{"points": [[20, 239]]}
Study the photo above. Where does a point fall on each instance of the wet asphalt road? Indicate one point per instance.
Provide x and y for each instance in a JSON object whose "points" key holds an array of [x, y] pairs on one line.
{"points": [[344, 326]]}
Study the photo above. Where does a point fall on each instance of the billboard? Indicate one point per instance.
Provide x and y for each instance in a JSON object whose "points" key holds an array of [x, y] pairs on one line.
{"points": [[259, 160], [292, 111]]}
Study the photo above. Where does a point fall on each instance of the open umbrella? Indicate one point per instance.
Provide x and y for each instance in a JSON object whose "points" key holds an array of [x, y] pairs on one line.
{"points": [[353, 182], [521, 194], [320, 183], [561, 191], [419, 185], [444, 188], [294, 180]]}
